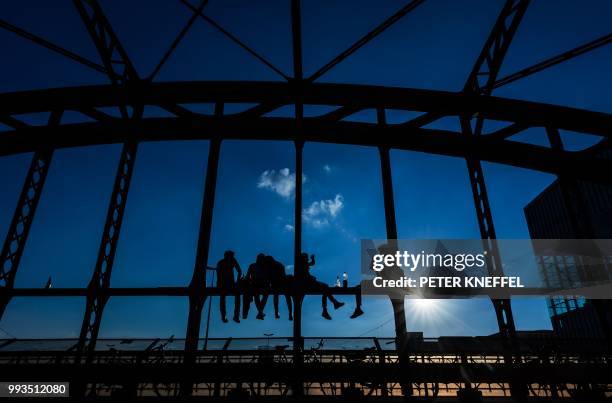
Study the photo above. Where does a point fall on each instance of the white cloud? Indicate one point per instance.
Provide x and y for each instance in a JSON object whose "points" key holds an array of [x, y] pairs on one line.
{"points": [[281, 182], [288, 227], [321, 212]]}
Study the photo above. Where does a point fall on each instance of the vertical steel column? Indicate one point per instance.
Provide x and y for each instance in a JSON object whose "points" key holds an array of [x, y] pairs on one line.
{"points": [[121, 72], [297, 245], [397, 304], [17, 235], [503, 310], [296, 32], [391, 225], [100, 280], [298, 298], [197, 287], [481, 81]]}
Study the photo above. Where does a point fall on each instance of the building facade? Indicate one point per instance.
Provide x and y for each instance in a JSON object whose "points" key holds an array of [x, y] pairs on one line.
{"points": [[572, 210]]}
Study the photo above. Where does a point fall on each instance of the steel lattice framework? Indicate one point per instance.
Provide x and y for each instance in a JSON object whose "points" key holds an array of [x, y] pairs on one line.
{"points": [[131, 95]]}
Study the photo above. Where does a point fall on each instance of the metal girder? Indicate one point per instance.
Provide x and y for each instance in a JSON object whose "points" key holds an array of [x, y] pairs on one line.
{"points": [[481, 81], [114, 57], [340, 113], [100, 281], [366, 38], [423, 120], [391, 225], [121, 73], [297, 385], [553, 61], [507, 131], [531, 114], [16, 238], [579, 165], [296, 35], [178, 39], [13, 122], [397, 304], [485, 70], [234, 39], [298, 299], [143, 292], [197, 287], [22, 219], [52, 46]]}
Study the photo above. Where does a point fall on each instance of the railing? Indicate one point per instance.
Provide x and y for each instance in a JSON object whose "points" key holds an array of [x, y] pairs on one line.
{"points": [[332, 366]]}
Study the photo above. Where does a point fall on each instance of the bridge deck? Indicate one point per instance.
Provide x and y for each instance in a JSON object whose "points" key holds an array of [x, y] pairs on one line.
{"points": [[265, 367]]}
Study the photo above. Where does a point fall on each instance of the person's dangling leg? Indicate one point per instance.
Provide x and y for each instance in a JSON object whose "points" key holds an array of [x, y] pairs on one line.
{"points": [[257, 301], [358, 312], [236, 317], [222, 307], [263, 302], [275, 300], [265, 292], [246, 303], [326, 295], [289, 306], [325, 313], [261, 299], [337, 304], [326, 292], [246, 298]]}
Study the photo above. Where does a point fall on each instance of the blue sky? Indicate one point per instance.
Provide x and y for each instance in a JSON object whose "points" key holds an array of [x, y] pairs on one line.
{"points": [[433, 47]]}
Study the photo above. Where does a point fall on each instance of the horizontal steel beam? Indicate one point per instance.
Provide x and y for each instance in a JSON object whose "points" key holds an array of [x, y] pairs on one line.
{"points": [[142, 292], [359, 96], [213, 291], [544, 159]]}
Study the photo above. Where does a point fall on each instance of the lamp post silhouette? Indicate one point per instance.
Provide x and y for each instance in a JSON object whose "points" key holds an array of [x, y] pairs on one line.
{"points": [[268, 335]]}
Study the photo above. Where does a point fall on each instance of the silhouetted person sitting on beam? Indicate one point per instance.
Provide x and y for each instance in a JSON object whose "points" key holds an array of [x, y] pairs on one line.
{"points": [[228, 285], [305, 281], [260, 280], [279, 281]]}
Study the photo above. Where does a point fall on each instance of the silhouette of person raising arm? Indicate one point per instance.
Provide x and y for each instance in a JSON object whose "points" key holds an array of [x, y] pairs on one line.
{"points": [[306, 282]]}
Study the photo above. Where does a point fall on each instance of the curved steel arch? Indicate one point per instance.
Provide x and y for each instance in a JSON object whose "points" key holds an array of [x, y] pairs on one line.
{"points": [[273, 95], [180, 123]]}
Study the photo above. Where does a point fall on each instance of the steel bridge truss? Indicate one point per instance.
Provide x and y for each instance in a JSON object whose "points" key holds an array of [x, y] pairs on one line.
{"points": [[137, 103]]}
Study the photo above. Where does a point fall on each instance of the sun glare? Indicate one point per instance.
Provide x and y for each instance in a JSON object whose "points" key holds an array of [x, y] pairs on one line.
{"points": [[423, 305]]}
